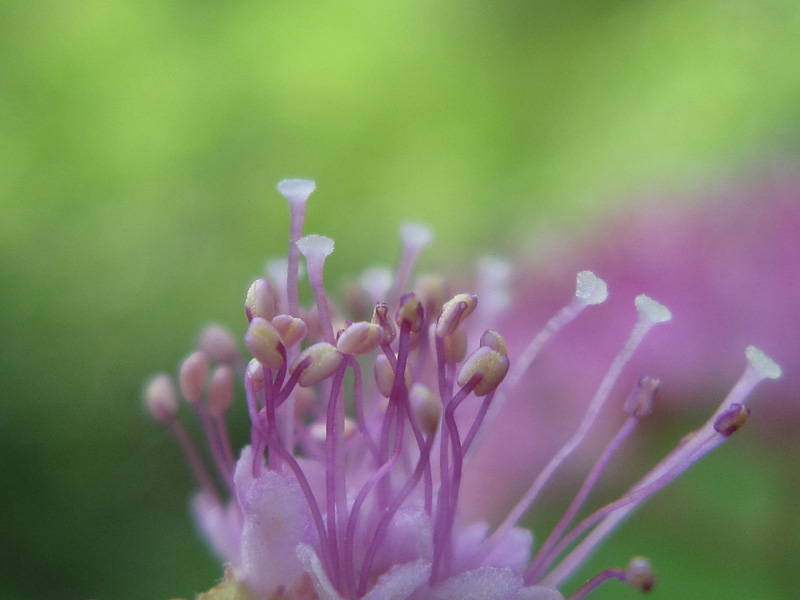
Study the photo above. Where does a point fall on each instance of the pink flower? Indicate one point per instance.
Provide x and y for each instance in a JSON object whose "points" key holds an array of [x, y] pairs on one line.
{"points": [[365, 435], [726, 264]]}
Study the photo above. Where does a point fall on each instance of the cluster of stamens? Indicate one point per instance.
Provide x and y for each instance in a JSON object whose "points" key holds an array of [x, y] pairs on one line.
{"points": [[375, 421]]}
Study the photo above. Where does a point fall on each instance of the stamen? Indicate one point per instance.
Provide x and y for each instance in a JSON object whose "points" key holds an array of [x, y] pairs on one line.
{"points": [[494, 288], [160, 398], [260, 300], [264, 343], [161, 401], [277, 270], [432, 291], [681, 458], [454, 311], [650, 313], [291, 329], [414, 237], [218, 343], [296, 191], [489, 365], [639, 404], [193, 376], [589, 290], [316, 248], [220, 397], [376, 282], [730, 421], [595, 581], [360, 338], [322, 359], [383, 371]]}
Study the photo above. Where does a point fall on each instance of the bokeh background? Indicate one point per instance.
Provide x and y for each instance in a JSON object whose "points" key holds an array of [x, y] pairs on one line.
{"points": [[140, 142]]}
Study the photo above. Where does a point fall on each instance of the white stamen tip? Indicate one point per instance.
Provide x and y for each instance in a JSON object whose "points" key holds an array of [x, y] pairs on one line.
{"points": [[653, 311], [590, 288], [296, 190], [376, 282], [315, 245], [415, 234], [762, 364]]}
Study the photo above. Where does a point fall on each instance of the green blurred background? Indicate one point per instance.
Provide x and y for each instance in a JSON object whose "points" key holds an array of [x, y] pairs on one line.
{"points": [[140, 143]]}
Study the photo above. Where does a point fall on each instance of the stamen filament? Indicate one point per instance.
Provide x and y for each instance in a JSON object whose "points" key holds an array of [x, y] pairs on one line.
{"points": [[193, 457], [595, 581], [643, 325], [540, 562]]}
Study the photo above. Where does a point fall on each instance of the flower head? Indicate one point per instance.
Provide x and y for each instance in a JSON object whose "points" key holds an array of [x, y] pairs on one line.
{"points": [[362, 433]]}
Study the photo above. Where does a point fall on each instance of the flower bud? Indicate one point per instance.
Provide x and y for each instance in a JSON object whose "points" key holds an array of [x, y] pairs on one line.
{"points": [[426, 408], [359, 338], [454, 311], [291, 329], [193, 375], [384, 375], [410, 312], [260, 300], [218, 343], [489, 364], [264, 343], [160, 398], [322, 359], [220, 391]]}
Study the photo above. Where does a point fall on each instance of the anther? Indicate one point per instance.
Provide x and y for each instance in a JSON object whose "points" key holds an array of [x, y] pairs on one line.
{"points": [[731, 419], [426, 408], [319, 431], [380, 316], [193, 375], [492, 339], [360, 338], [489, 364], [384, 375], [590, 289], [160, 398], [220, 391], [219, 344], [265, 343], [291, 329], [455, 346], [322, 360], [454, 311], [255, 374], [432, 292], [640, 575], [640, 400], [410, 312], [260, 300]]}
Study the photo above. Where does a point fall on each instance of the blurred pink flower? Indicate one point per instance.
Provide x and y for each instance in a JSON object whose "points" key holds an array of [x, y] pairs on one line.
{"points": [[727, 263], [369, 441]]}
